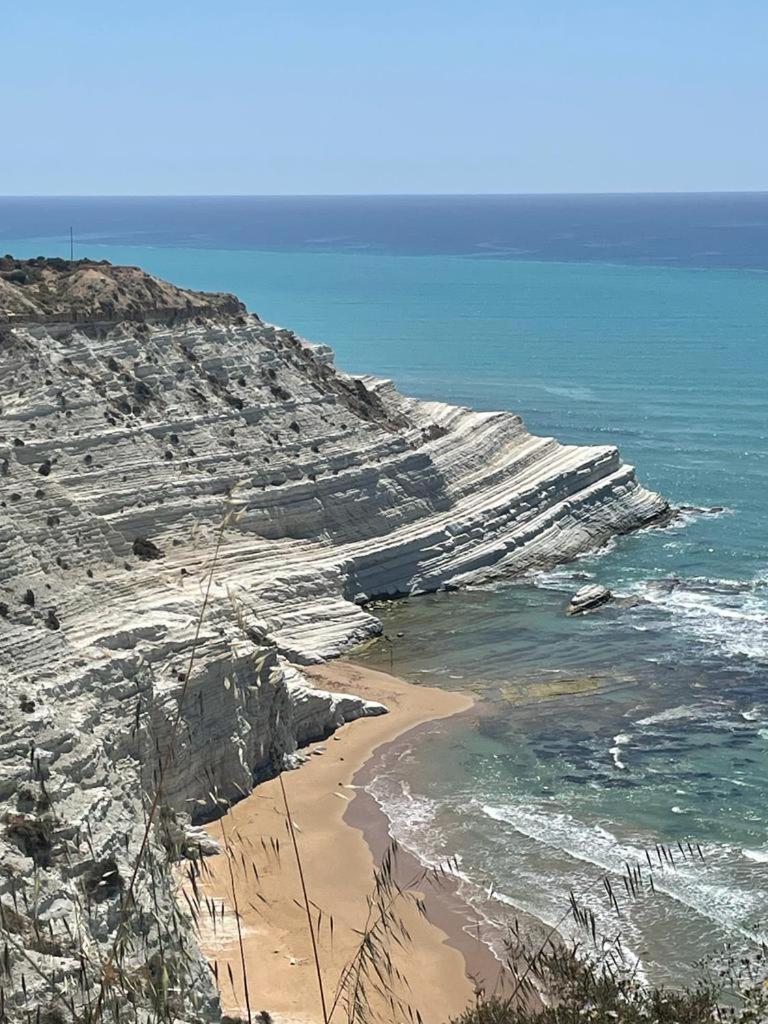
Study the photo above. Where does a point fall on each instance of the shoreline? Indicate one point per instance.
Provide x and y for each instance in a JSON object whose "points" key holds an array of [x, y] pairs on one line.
{"points": [[446, 909], [341, 838], [465, 929]]}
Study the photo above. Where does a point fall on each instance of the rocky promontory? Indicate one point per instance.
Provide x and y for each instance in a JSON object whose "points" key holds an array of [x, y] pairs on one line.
{"points": [[162, 450]]}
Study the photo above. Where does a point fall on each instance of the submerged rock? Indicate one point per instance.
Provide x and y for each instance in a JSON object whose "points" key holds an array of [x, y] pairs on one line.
{"points": [[712, 510]]}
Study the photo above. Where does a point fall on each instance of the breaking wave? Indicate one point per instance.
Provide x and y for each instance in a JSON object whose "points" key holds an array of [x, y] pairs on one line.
{"points": [[728, 616], [705, 889]]}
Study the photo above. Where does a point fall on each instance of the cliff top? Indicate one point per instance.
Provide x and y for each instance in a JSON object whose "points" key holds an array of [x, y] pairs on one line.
{"points": [[47, 289]]}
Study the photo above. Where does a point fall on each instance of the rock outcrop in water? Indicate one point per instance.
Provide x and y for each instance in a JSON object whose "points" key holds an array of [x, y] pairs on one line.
{"points": [[587, 598], [163, 438]]}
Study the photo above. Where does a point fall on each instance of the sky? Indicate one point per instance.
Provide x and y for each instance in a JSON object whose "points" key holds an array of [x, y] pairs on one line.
{"points": [[401, 96]]}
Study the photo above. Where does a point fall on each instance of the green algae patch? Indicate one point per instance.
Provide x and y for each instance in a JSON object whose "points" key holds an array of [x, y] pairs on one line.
{"points": [[358, 652], [543, 689]]}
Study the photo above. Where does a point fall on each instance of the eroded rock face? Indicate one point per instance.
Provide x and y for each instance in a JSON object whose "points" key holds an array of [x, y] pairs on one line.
{"points": [[167, 449]]}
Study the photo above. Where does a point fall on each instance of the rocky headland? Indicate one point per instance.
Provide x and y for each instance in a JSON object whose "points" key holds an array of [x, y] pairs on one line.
{"points": [[161, 451]]}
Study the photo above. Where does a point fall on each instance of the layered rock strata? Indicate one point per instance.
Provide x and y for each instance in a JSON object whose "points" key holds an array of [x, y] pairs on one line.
{"points": [[162, 443]]}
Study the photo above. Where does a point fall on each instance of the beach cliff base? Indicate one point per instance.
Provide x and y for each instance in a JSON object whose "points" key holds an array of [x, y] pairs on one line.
{"points": [[338, 867]]}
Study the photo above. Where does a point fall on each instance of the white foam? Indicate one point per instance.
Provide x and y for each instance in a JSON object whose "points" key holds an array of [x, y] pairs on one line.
{"points": [[730, 616], [673, 714], [563, 577], [753, 715], [709, 889], [690, 515], [703, 888], [620, 740], [411, 818], [760, 856], [559, 579]]}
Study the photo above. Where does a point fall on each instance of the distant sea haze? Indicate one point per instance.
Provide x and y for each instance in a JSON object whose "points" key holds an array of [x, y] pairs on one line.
{"points": [[692, 230], [632, 320]]}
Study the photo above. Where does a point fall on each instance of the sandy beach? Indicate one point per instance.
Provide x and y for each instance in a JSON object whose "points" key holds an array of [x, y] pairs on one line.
{"points": [[338, 866]]}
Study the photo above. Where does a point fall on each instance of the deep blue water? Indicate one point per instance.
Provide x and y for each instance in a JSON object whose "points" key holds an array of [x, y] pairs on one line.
{"points": [[635, 320], [702, 230]]}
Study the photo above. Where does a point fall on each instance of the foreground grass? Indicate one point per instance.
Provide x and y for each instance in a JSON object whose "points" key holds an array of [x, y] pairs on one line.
{"points": [[608, 992]]}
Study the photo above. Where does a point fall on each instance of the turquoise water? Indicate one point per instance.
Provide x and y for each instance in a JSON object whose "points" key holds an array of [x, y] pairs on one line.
{"points": [[667, 739]]}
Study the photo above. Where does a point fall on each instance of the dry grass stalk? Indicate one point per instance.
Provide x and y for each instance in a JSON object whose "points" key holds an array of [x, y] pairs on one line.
{"points": [[305, 897], [229, 854]]}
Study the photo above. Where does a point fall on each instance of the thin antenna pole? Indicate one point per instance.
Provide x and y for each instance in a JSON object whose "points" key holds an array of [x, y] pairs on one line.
{"points": [[71, 247]]}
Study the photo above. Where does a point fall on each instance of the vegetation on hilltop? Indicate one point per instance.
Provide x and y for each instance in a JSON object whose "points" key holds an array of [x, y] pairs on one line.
{"points": [[49, 288]]}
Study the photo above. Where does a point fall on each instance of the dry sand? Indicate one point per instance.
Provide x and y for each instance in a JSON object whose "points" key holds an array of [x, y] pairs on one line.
{"points": [[338, 865]]}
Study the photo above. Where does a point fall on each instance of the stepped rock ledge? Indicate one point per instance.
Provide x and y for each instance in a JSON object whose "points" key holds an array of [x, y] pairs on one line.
{"points": [[142, 427]]}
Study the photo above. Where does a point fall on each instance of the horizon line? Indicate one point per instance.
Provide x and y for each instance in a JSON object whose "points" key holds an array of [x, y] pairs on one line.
{"points": [[379, 195]]}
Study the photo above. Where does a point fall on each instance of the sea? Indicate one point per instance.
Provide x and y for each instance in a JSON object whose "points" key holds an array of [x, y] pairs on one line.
{"points": [[633, 740]]}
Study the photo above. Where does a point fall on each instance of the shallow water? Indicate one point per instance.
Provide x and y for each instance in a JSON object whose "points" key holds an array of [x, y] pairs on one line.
{"points": [[655, 738], [662, 732]]}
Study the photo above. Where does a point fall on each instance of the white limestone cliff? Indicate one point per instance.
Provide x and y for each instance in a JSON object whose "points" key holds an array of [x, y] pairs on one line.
{"points": [[136, 460]]}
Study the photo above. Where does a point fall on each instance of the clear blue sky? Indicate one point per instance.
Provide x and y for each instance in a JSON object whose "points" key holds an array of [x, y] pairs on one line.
{"points": [[335, 96]]}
